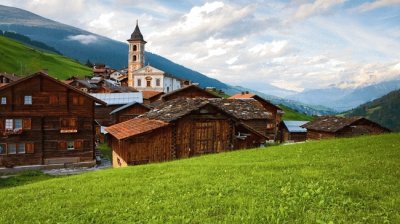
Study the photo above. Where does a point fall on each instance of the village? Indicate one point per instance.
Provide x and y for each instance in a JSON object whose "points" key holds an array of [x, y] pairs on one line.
{"points": [[144, 115]]}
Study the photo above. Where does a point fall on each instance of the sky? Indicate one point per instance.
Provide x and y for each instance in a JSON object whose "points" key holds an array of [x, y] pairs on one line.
{"points": [[291, 44]]}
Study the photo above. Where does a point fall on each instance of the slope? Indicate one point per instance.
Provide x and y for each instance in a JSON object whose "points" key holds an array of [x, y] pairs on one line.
{"points": [[384, 110], [294, 115], [335, 181], [22, 60]]}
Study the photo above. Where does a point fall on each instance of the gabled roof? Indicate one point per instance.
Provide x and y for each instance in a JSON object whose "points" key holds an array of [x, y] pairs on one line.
{"points": [[330, 123], [11, 77], [148, 94], [253, 96], [252, 130], [188, 88], [127, 106], [137, 35], [56, 81], [119, 98], [135, 127], [295, 126], [179, 107]]}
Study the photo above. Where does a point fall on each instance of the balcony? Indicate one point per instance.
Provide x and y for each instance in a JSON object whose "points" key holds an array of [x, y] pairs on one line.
{"points": [[16, 131]]}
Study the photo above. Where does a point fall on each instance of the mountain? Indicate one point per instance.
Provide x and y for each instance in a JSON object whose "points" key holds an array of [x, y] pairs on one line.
{"points": [[384, 110], [345, 99], [83, 45], [23, 60]]}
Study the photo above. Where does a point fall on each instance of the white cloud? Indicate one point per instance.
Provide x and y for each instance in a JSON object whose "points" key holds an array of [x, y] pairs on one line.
{"points": [[83, 39], [377, 4], [269, 48], [317, 7]]}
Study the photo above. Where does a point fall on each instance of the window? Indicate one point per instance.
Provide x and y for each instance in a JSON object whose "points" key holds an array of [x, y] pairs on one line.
{"points": [[68, 125], [18, 124], [158, 82], [53, 99], [21, 148], [134, 58], [148, 83], [78, 100], [3, 100], [139, 82], [9, 124], [70, 145], [2, 149], [27, 100], [134, 48], [12, 148]]}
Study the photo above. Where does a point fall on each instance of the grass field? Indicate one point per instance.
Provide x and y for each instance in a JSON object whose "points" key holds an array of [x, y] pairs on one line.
{"points": [[22, 60], [334, 181]]}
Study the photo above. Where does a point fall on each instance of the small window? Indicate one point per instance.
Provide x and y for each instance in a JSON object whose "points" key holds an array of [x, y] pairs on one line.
{"points": [[139, 82], [68, 125], [134, 58], [158, 82], [2, 149], [9, 124], [27, 100], [168, 89], [3, 100], [148, 83], [12, 148], [134, 47], [21, 148], [70, 145], [18, 124]]}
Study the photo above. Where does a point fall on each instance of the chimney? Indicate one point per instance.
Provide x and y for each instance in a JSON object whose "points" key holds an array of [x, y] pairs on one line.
{"points": [[247, 92], [242, 93]]}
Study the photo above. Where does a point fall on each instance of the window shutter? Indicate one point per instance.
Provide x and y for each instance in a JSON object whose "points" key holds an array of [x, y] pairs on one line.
{"points": [[72, 123], [75, 100], [81, 100], [78, 144], [26, 125], [62, 145], [1, 124], [29, 148]]}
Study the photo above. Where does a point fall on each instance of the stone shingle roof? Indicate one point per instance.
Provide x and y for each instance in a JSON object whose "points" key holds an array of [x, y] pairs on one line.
{"points": [[330, 123]]}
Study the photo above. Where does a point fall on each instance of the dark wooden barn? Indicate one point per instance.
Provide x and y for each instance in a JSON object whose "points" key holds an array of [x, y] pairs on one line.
{"points": [[276, 111], [151, 96], [291, 131], [44, 121], [185, 127], [335, 127], [128, 111]]}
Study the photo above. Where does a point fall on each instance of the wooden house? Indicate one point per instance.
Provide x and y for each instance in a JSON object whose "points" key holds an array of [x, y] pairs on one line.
{"points": [[335, 127], [191, 91], [83, 85], [8, 78], [184, 127], [44, 121], [129, 111], [150, 96], [275, 110], [291, 131]]}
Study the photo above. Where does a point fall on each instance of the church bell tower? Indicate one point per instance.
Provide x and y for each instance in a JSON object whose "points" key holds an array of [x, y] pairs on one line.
{"points": [[136, 53]]}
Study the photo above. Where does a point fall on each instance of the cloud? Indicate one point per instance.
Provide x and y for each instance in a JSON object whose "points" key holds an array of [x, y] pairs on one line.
{"points": [[83, 39], [377, 4], [316, 8]]}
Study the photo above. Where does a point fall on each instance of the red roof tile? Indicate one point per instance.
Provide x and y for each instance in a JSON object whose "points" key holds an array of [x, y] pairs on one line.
{"points": [[134, 127]]}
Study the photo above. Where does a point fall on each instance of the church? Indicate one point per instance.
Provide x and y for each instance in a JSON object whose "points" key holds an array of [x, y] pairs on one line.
{"points": [[148, 78]]}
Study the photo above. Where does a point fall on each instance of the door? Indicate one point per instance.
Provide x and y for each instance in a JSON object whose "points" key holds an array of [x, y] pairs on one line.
{"points": [[203, 137]]}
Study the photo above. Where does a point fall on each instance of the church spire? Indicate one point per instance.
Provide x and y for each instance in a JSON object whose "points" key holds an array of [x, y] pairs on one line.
{"points": [[137, 35]]}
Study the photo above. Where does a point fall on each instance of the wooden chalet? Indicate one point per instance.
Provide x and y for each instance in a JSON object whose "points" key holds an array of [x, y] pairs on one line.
{"points": [[291, 131], [191, 91], [335, 127], [6, 78], [83, 85], [44, 121], [276, 111], [150, 96], [129, 111], [185, 127]]}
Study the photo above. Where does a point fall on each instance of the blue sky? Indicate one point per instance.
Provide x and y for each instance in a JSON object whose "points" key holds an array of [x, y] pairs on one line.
{"points": [[295, 45]]}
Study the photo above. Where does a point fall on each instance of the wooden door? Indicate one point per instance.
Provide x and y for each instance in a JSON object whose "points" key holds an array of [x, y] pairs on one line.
{"points": [[204, 134]]}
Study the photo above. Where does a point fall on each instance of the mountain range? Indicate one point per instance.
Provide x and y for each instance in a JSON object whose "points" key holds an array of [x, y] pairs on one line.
{"points": [[82, 45]]}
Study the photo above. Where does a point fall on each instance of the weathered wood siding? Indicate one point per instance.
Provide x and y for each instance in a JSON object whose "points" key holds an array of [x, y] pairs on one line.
{"points": [[318, 135], [41, 134], [130, 113], [263, 126], [153, 147], [189, 93]]}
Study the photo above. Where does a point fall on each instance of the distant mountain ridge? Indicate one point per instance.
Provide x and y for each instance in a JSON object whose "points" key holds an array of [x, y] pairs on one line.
{"points": [[83, 45], [345, 99], [384, 110]]}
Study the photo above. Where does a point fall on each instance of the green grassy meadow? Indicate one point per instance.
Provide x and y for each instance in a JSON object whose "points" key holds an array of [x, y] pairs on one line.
{"points": [[333, 181], [291, 114], [22, 60]]}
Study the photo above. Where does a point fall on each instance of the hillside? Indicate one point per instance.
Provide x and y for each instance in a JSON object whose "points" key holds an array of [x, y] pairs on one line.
{"points": [[384, 110], [335, 181], [293, 115], [22, 60]]}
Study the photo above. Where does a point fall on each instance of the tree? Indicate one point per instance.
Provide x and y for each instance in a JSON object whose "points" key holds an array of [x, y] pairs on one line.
{"points": [[89, 64]]}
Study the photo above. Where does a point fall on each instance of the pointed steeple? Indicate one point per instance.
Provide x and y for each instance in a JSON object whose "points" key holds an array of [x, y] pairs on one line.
{"points": [[137, 35]]}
